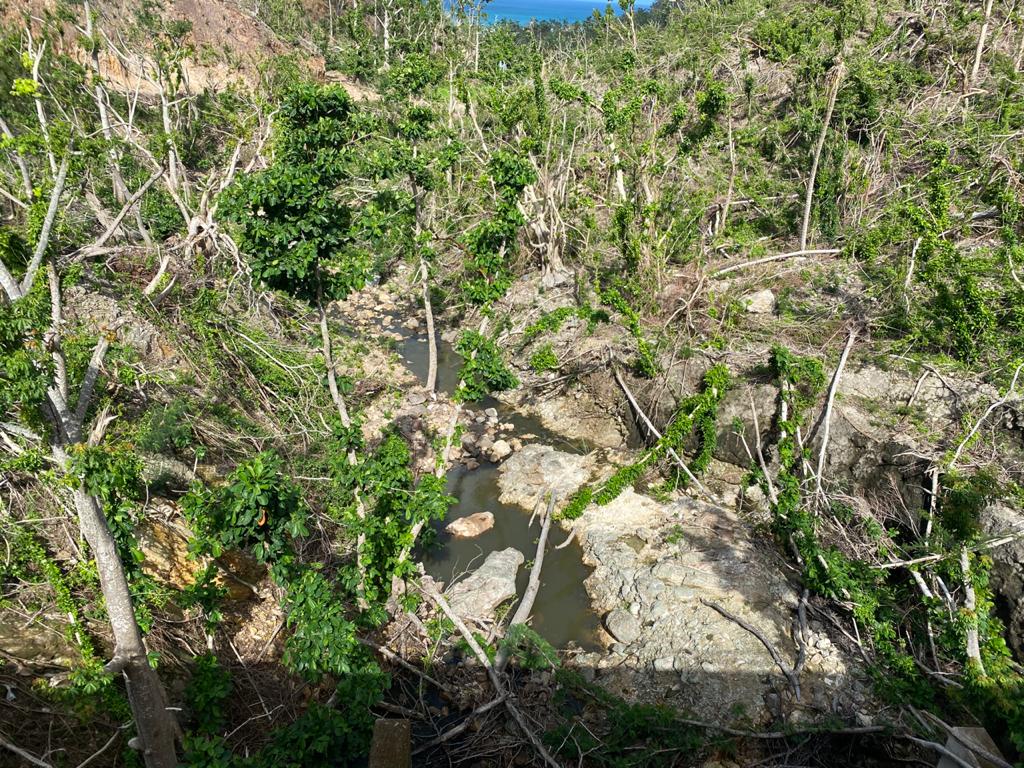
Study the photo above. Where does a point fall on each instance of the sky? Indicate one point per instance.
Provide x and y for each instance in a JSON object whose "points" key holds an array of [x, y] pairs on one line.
{"points": [[559, 10]]}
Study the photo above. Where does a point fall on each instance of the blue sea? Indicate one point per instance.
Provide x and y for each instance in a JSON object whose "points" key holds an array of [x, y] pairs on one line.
{"points": [[548, 10]]}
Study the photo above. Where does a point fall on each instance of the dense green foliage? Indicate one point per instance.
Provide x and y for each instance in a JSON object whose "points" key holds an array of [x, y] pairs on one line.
{"points": [[297, 234]]}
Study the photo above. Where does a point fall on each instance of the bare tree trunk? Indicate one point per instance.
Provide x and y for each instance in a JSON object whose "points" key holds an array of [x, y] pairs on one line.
{"points": [[346, 421], [100, 96], [837, 78], [431, 340], [970, 606], [44, 125], [976, 67], [154, 723]]}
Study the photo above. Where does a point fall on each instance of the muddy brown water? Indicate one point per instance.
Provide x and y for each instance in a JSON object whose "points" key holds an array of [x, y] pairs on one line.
{"points": [[562, 613]]}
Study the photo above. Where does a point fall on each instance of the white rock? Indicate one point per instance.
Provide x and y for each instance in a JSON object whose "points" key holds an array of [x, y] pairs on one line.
{"points": [[471, 525], [760, 303], [479, 594], [500, 450], [664, 664]]}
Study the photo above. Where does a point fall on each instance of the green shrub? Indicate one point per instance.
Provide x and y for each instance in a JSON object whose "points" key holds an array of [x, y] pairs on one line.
{"points": [[483, 372], [544, 359], [258, 508], [164, 428]]}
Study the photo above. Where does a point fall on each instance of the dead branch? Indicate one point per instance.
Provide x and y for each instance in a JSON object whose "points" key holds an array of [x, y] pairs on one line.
{"points": [[522, 614], [44, 234], [23, 754], [499, 688], [789, 673], [1011, 394], [462, 727], [837, 77], [125, 209], [777, 257], [657, 435], [828, 409]]}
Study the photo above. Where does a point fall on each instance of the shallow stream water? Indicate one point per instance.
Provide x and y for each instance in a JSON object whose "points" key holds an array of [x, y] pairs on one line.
{"points": [[562, 611]]}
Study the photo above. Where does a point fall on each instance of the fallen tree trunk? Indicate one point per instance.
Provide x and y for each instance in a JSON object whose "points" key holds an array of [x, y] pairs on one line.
{"points": [[522, 614]]}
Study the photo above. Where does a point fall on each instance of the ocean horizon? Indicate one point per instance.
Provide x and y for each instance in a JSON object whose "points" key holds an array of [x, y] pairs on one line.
{"points": [[523, 11]]}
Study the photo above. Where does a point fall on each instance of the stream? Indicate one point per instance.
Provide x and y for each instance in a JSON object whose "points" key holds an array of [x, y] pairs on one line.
{"points": [[562, 613]]}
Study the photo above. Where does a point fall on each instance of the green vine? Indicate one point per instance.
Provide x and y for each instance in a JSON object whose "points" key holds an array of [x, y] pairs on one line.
{"points": [[697, 415]]}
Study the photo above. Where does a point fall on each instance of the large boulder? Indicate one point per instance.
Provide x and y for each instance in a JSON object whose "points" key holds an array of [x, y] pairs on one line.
{"points": [[476, 597], [471, 526], [42, 641], [527, 475]]}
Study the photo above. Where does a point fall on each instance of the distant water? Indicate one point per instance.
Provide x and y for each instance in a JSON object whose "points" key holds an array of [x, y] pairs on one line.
{"points": [[523, 11]]}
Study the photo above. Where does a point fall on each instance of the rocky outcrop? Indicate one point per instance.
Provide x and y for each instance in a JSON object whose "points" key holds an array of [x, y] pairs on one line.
{"points": [[1008, 568], [476, 597], [654, 563], [536, 469], [163, 539], [104, 314], [40, 641], [471, 525]]}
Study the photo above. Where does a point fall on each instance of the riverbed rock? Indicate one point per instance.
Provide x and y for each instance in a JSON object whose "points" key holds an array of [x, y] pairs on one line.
{"points": [[476, 597], [664, 560], [528, 474], [579, 416], [500, 450], [623, 626], [471, 525]]}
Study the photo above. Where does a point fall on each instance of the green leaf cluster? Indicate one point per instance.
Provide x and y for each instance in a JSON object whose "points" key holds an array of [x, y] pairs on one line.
{"points": [[483, 368]]}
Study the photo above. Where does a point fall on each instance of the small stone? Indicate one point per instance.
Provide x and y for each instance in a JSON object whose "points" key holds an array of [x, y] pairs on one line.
{"points": [[412, 323], [864, 720], [480, 419], [485, 443], [664, 664], [823, 643], [634, 608], [417, 398], [471, 525], [491, 413], [472, 464], [622, 625], [760, 303], [500, 450], [659, 610], [516, 443]]}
